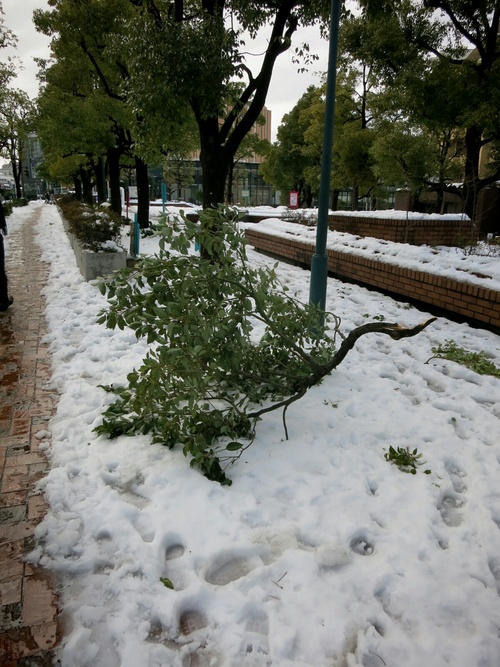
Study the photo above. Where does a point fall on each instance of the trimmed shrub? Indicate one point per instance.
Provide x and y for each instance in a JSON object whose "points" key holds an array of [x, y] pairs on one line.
{"points": [[96, 228]]}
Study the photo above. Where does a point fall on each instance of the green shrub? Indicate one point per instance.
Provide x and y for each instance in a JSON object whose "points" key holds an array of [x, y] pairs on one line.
{"points": [[94, 227]]}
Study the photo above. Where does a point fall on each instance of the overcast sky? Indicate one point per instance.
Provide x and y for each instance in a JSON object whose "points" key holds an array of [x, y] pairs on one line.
{"points": [[287, 85]]}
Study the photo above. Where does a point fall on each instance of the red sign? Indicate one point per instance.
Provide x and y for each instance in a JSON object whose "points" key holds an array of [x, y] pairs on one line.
{"points": [[293, 200]]}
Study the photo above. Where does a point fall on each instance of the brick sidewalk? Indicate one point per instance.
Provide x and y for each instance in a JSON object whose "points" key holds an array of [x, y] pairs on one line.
{"points": [[28, 604]]}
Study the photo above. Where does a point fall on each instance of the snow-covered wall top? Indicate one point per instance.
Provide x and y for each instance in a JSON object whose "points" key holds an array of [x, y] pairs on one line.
{"points": [[443, 261], [400, 215]]}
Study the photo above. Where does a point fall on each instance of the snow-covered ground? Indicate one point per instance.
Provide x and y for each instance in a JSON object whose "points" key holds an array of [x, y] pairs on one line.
{"points": [[321, 553]]}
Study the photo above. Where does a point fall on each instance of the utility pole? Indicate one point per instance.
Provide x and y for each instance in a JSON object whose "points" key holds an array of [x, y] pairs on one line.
{"points": [[319, 262]]}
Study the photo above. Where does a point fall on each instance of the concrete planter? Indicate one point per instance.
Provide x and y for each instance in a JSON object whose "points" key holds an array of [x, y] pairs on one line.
{"points": [[94, 265]]}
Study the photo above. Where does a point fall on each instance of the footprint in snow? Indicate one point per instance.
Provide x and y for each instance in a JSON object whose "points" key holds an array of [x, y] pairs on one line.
{"points": [[457, 476], [191, 620], [143, 526], [230, 567], [449, 509], [452, 501], [174, 571], [362, 545], [255, 645], [202, 658], [174, 551]]}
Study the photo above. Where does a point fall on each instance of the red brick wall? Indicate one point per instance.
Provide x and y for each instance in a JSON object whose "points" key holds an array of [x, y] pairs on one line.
{"points": [[429, 231], [470, 301]]}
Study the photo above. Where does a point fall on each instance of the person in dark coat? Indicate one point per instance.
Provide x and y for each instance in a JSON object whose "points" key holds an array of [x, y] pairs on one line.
{"points": [[5, 299]]}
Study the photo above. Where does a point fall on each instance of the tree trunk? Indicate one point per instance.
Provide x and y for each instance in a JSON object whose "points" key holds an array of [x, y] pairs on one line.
{"points": [[214, 168], [415, 200], [141, 175], [230, 176], [214, 175], [113, 161], [439, 201], [16, 172], [472, 183], [86, 178], [308, 196], [100, 180], [335, 200], [78, 188], [355, 198]]}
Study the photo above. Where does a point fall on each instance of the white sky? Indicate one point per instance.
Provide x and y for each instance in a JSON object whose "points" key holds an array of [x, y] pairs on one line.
{"points": [[287, 85]]}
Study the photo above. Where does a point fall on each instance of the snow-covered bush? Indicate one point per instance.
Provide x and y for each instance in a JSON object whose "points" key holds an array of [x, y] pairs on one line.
{"points": [[97, 229]]}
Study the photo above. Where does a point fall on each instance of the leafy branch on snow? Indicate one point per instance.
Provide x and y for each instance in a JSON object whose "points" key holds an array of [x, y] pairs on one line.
{"points": [[228, 344], [475, 361]]}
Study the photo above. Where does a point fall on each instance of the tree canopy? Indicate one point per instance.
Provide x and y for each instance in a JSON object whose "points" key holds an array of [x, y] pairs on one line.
{"points": [[290, 163], [295, 159], [191, 53], [445, 56]]}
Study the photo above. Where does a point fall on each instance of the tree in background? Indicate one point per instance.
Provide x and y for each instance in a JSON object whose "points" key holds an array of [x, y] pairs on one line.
{"points": [[16, 110], [188, 54], [73, 154], [177, 156], [291, 163], [417, 159], [295, 160], [87, 67], [16, 122], [352, 167], [250, 147], [178, 170], [445, 55]]}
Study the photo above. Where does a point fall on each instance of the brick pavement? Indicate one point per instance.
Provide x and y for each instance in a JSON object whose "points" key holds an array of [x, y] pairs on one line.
{"points": [[28, 603]]}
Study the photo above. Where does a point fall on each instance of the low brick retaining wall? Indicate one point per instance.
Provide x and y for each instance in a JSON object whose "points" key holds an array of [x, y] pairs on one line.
{"points": [[428, 231], [461, 298]]}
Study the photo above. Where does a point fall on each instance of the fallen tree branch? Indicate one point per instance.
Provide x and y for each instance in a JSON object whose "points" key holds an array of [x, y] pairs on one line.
{"points": [[395, 331]]}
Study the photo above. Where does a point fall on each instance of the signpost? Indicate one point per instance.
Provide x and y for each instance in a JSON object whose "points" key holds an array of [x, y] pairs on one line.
{"points": [[293, 200], [163, 195], [137, 236]]}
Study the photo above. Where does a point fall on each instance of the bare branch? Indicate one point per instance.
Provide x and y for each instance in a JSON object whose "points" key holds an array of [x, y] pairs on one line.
{"points": [[395, 331]]}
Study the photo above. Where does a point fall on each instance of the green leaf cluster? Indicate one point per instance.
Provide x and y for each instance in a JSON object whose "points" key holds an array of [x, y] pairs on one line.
{"points": [[475, 361], [406, 460]]}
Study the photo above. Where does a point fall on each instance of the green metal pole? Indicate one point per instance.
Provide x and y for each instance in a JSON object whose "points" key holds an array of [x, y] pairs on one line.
{"points": [[319, 262]]}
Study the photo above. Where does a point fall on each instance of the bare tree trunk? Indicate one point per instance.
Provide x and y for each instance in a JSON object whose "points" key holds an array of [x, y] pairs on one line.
{"points": [[100, 179], [86, 178], [472, 183]]}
